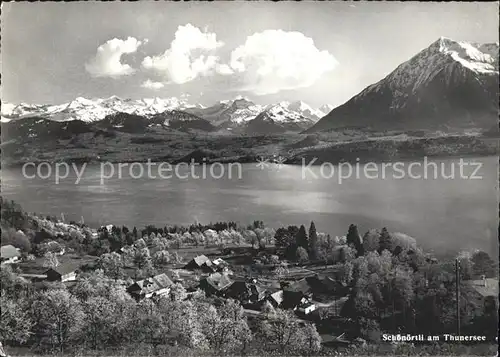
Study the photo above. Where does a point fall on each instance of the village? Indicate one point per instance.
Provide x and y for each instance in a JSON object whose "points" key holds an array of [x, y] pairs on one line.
{"points": [[311, 292], [314, 279]]}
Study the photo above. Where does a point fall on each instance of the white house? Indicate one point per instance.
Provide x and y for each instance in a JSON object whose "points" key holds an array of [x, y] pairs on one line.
{"points": [[9, 254]]}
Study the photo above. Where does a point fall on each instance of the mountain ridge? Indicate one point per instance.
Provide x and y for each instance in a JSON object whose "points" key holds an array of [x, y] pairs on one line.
{"points": [[449, 84], [224, 115]]}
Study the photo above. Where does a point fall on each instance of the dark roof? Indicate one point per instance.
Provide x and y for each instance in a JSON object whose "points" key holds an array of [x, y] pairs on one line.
{"points": [[153, 284], [65, 268], [219, 281], [299, 286], [9, 251], [241, 286]]}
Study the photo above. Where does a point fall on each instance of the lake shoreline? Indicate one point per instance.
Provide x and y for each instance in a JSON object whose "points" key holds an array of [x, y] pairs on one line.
{"points": [[256, 161]]}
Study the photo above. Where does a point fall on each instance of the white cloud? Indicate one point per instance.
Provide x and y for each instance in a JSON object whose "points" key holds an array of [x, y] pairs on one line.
{"points": [[275, 60], [188, 56], [149, 84], [106, 62], [224, 69]]}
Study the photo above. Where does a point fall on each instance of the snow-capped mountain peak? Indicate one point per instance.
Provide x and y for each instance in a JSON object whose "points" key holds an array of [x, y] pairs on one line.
{"points": [[443, 53], [326, 108], [450, 84], [226, 114]]}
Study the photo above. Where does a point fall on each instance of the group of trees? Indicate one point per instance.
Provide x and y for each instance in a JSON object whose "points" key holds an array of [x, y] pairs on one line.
{"points": [[298, 244], [399, 288], [98, 313]]}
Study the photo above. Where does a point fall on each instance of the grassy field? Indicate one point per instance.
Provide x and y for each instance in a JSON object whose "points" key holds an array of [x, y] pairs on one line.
{"points": [[36, 266]]}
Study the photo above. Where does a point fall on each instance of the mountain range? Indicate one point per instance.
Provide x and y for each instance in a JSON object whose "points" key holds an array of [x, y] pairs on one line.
{"points": [[447, 86], [238, 115]]}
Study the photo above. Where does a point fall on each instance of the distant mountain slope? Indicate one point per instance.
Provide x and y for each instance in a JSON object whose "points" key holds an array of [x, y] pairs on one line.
{"points": [[277, 119], [180, 120], [228, 113], [233, 115], [91, 110], [449, 85], [41, 128]]}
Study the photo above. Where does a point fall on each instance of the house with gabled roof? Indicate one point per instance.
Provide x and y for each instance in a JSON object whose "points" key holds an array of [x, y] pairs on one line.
{"points": [[9, 254], [484, 291], [155, 286], [198, 262], [215, 284], [275, 298], [65, 271], [245, 292], [295, 293]]}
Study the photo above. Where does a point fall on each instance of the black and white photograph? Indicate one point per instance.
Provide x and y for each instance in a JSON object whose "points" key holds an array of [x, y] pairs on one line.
{"points": [[249, 178]]}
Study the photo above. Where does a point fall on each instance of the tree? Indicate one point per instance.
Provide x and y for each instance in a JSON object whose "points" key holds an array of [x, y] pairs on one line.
{"points": [[15, 320], [176, 258], [211, 236], [50, 260], [326, 247], [12, 285], [142, 259], [149, 326], [354, 239], [404, 241], [226, 329], [250, 237], [280, 331], [111, 264], [161, 258], [301, 238], [182, 318], [265, 235], [58, 318], [174, 274], [482, 264], [347, 253], [177, 292], [283, 238], [98, 321], [313, 241], [302, 255], [311, 340], [371, 240], [384, 240]]}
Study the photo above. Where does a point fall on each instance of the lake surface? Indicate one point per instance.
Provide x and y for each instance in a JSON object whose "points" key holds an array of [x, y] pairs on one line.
{"points": [[442, 214]]}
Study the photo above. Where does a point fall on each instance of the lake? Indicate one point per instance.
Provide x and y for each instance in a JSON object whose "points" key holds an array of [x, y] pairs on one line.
{"points": [[443, 214]]}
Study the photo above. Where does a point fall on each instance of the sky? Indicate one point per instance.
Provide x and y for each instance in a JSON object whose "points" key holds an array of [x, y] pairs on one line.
{"points": [[318, 52]]}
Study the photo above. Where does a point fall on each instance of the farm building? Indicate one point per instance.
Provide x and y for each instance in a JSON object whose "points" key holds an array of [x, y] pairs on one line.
{"points": [[215, 284], [156, 286], [220, 265], [63, 272], [198, 262], [245, 292], [9, 254], [485, 293], [306, 307], [295, 293], [276, 298]]}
